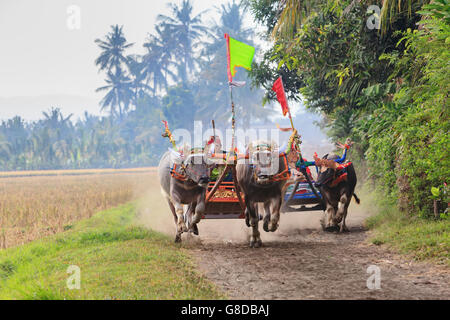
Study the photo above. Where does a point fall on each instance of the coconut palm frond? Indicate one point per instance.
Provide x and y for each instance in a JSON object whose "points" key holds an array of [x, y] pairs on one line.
{"points": [[292, 13]]}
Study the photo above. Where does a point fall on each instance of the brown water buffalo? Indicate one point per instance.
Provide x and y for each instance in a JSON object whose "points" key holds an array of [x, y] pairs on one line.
{"points": [[337, 185], [262, 177], [184, 183]]}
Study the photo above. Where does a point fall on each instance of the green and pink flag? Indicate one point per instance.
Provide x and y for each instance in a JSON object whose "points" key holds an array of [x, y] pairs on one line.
{"points": [[239, 54]]}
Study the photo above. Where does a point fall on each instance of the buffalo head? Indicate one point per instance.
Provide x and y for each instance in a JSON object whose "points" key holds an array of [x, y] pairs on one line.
{"points": [[264, 158], [327, 169], [197, 169]]}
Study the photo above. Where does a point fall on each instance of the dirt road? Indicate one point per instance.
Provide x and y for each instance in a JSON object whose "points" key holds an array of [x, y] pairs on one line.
{"points": [[300, 261]]}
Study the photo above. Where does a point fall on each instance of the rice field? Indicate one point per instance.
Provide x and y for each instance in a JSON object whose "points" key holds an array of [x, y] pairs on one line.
{"points": [[35, 204]]}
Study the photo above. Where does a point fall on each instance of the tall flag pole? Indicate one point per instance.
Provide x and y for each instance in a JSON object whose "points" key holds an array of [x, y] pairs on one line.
{"points": [[281, 97], [294, 140], [239, 54]]}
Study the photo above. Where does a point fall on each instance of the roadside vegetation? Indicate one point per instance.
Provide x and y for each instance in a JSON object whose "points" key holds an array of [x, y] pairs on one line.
{"points": [[37, 205], [117, 260], [386, 87], [417, 237]]}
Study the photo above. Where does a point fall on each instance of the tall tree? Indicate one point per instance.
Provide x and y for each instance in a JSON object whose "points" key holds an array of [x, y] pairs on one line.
{"points": [[179, 106], [213, 94], [119, 93], [113, 50], [52, 139], [137, 78], [157, 61], [15, 134], [112, 59], [186, 30]]}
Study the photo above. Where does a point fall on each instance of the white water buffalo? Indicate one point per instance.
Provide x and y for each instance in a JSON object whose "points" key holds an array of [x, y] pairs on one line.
{"points": [[337, 185], [184, 180], [262, 177]]}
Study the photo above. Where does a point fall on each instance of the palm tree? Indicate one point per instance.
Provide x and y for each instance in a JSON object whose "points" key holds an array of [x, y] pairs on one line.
{"points": [[156, 63], [16, 134], [291, 17], [113, 50], [213, 87], [5, 149], [232, 22], [119, 93], [213, 94], [52, 140], [55, 119], [111, 59], [137, 75], [185, 30]]}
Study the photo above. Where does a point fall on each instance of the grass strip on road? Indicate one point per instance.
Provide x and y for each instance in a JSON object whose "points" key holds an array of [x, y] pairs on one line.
{"points": [[117, 259]]}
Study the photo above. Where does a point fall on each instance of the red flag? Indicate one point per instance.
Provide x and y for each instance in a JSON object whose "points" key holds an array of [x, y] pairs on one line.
{"points": [[281, 96]]}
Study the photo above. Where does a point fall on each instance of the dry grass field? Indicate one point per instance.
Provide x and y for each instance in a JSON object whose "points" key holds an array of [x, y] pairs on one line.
{"points": [[34, 204]]}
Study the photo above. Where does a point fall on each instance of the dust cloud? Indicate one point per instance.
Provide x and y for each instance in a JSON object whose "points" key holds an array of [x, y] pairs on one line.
{"points": [[153, 210]]}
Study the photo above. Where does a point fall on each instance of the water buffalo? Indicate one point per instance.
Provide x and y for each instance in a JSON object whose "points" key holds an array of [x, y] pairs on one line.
{"points": [[262, 176], [184, 183], [337, 185]]}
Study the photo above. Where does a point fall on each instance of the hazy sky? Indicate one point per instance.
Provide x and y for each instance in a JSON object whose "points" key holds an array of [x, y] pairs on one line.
{"points": [[41, 55]]}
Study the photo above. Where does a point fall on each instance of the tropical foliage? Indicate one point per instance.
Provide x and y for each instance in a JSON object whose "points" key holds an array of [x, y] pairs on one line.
{"points": [[385, 88]]}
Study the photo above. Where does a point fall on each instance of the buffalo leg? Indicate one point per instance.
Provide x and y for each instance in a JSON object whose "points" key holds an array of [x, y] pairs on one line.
{"points": [[343, 225], [198, 212], [189, 219], [266, 216], [275, 214], [181, 226], [323, 220], [247, 217], [200, 208], [327, 220], [255, 240], [342, 211], [172, 208]]}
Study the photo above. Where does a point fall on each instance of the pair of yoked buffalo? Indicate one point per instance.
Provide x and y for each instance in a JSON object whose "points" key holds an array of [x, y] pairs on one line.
{"points": [[262, 175]]}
